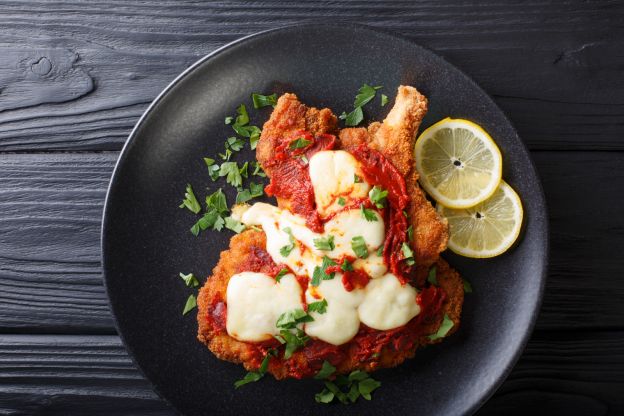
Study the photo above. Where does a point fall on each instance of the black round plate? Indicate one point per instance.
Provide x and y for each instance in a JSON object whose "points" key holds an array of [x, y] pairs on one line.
{"points": [[146, 240]]}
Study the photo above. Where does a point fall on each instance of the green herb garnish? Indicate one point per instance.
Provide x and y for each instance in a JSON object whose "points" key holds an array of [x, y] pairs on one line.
{"points": [[432, 276], [319, 272], [189, 279], [410, 233], [229, 119], [190, 201], [365, 94], [217, 201], [281, 274], [254, 376], [377, 196], [384, 100], [234, 225], [358, 245], [211, 219], [467, 286], [191, 303], [299, 143], [445, 327], [285, 251], [341, 201], [234, 143], [380, 251], [258, 170], [354, 118], [326, 370], [232, 173], [346, 266], [368, 214], [347, 389], [260, 100], [324, 243], [213, 168], [408, 254], [318, 307], [287, 322]]}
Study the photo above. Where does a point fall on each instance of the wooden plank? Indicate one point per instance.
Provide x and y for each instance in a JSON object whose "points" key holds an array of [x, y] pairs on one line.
{"points": [[50, 208], [79, 74], [65, 374]]}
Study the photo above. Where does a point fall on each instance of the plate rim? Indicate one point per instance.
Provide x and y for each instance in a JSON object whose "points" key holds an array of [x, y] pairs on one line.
{"points": [[123, 154]]}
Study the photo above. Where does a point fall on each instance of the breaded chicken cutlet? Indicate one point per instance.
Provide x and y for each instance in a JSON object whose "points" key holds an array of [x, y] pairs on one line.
{"points": [[369, 349]]}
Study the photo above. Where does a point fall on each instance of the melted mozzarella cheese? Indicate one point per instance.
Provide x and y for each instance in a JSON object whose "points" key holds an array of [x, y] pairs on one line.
{"points": [[340, 322], [332, 173], [388, 304], [255, 301], [305, 256], [373, 265]]}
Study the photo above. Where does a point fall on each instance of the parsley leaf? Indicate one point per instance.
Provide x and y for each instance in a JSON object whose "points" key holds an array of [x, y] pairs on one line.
{"points": [[232, 174], [445, 327], [367, 386], [234, 143], [243, 195], [226, 155], [341, 201], [359, 383], [260, 100], [234, 225], [256, 189], [365, 94], [356, 179], [368, 214], [290, 319], [324, 244], [319, 272], [210, 219], [467, 286], [408, 254], [243, 117], [258, 170], [217, 201], [213, 168], [293, 341], [281, 274], [410, 233], [358, 245], [191, 303], [299, 143], [318, 307], [190, 201], [380, 251], [285, 250], [229, 119], [243, 170], [384, 100], [254, 376], [346, 266], [377, 196], [324, 396], [189, 279], [354, 118], [432, 276], [326, 370]]}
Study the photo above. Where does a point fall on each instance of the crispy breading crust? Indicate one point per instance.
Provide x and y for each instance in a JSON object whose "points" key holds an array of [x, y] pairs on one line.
{"points": [[228, 348], [395, 139]]}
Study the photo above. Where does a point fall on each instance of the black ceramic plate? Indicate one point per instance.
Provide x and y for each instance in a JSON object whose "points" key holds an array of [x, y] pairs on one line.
{"points": [[146, 241]]}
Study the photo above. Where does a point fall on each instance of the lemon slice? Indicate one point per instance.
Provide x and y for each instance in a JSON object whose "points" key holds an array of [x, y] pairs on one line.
{"points": [[487, 229], [458, 162]]}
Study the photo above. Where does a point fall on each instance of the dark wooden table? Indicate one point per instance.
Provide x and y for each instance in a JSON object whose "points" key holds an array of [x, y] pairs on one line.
{"points": [[75, 76]]}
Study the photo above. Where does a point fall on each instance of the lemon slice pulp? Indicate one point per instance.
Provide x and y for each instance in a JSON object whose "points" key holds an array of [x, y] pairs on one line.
{"points": [[487, 229], [458, 162]]}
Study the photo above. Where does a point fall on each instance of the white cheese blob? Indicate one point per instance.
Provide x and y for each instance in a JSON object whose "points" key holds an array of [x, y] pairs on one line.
{"points": [[387, 304], [305, 256], [255, 301], [332, 173], [340, 322]]}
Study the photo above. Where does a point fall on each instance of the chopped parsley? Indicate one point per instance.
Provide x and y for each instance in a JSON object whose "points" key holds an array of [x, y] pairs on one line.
{"points": [[347, 389], [319, 272], [384, 100], [189, 279], [258, 170], [324, 244], [234, 225], [318, 307], [378, 196], [368, 214], [380, 251], [229, 119], [242, 128], [346, 265], [408, 254], [467, 286], [285, 250], [232, 173], [190, 201], [211, 219], [253, 376], [304, 159], [234, 143], [299, 143], [281, 274], [432, 276], [213, 168], [445, 327], [354, 118], [410, 233], [365, 94], [287, 322], [358, 245], [191, 303], [226, 156], [290, 319], [217, 201], [260, 100], [341, 201], [255, 190], [356, 179], [326, 370]]}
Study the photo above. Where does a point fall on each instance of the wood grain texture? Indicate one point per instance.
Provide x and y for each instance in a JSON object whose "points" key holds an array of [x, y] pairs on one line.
{"points": [[93, 375], [77, 75], [50, 208]]}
